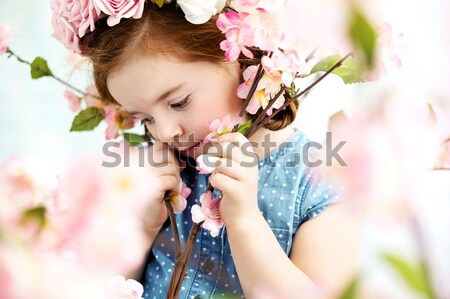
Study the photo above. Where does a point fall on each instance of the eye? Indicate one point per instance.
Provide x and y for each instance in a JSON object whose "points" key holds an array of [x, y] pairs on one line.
{"points": [[183, 103]]}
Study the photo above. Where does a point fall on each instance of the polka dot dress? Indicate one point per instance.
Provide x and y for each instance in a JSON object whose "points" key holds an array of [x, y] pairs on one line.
{"points": [[289, 194]]}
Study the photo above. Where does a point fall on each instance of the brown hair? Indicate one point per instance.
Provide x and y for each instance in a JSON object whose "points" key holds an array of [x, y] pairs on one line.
{"points": [[162, 31]]}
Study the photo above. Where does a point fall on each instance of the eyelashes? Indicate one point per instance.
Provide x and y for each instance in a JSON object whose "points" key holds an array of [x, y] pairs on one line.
{"points": [[180, 105]]}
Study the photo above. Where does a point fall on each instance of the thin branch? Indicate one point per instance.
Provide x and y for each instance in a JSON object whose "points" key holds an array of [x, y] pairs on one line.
{"points": [[84, 94]]}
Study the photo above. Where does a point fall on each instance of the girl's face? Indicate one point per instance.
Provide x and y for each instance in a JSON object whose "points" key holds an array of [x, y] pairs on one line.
{"points": [[176, 99]]}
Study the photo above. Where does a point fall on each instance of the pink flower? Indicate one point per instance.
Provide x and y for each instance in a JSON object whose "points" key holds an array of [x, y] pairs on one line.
{"points": [[73, 100], [209, 213], [179, 198], [119, 288], [117, 120], [221, 126], [92, 98], [6, 33], [238, 33], [267, 87], [267, 32], [284, 65], [207, 163], [118, 9], [72, 19], [250, 6]]}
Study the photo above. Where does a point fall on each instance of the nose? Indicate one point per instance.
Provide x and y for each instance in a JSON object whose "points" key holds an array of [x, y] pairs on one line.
{"points": [[168, 132]]}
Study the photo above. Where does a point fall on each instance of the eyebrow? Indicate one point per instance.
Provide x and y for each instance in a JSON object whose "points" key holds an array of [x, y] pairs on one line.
{"points": [[163, 96]]}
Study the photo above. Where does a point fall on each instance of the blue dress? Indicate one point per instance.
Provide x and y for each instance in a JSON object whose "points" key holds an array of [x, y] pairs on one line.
{"points": [[289, 193]]}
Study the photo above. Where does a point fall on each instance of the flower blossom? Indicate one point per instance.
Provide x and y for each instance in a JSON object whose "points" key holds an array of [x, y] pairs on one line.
{"points": [[179, 199], [238, 33], [119, 288], [267, 88], [73, 100], [72, 19], [221, 127], [118, 9], [117, 119], [250, 6], [267, 33], [207, 163], [200, 11], [6, 33], [209, 213], [284, 66]]}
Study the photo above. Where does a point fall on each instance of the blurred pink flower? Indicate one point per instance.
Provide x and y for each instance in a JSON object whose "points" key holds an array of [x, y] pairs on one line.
{"points": [[72, 19], [209, 213], [221, 126], [118, 9], [92, 98], [207, 163], [73, 100], [238, 33], [119, 288], [443, 157], [270, 6], [267, 33], [179, 198], [6, 33], [117, 120]]}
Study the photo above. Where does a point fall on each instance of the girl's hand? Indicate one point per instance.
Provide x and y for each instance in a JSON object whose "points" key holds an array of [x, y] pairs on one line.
{"points": [[167, 170], [236, 177]]}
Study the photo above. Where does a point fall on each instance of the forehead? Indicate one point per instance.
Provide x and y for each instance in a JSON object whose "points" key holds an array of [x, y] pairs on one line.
{"points": [[146, 78]]}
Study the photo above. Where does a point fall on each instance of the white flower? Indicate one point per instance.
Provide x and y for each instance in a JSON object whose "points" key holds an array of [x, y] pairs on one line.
{"points": [[200, 11]]}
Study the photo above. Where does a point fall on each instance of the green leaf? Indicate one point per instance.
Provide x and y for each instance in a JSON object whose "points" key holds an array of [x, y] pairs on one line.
{"points": [[414, 274], [350, 71], [160, 3], [133, 139], [39, 68], [362, 35], [36, 215], [351, 291], [87, 119], [243, 128]]}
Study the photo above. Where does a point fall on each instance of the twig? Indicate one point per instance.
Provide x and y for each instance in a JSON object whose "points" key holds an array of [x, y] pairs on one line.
{"points": [[84, 94]]}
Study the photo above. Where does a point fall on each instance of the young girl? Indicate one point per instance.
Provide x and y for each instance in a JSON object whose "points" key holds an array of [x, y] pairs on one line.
{"points": [[173, 76]]}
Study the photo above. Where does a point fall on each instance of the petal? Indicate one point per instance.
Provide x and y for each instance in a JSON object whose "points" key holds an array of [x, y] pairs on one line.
{"points": [[197, 214]]}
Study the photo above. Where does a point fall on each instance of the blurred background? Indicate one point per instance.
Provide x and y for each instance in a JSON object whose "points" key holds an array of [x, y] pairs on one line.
{"points": [[395, 130]]}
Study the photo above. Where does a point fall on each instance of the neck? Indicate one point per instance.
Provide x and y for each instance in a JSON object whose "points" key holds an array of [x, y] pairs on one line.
{"points": [[266, 141]]}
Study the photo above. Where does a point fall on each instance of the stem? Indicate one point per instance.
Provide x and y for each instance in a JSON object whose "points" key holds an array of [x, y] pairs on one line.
{"points": [[187, 253], [174, 225], [261, 116], [11, 53]]}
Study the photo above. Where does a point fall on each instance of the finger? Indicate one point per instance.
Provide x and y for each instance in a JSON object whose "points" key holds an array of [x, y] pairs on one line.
{"points": [[229, 168], [162, 154], [222, 182], [237, 139], [170, 183], [231, 151]]}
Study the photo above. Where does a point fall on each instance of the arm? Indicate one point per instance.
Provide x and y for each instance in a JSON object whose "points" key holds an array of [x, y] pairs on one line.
{"points": [[320, 256]]}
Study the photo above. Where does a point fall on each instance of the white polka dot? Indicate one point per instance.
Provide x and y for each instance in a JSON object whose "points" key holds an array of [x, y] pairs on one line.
{"points": [[265, 185], [271, 205], [269, 221], [290, 207], [282, 198], [274, 191], [284, 185], [162, 245], [279, 214]]}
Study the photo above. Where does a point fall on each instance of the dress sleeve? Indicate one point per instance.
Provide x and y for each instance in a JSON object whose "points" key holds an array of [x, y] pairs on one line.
{"points": [[314, 195]]}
